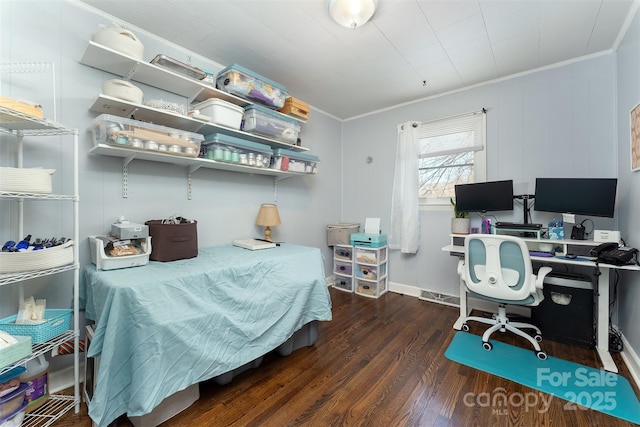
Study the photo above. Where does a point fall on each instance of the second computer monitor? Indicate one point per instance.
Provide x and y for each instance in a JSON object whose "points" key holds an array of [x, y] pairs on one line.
{"points": [[485, 196], [580, 196]]}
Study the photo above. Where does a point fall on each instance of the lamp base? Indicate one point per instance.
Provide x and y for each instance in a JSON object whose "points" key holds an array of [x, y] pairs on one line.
{"points": [[267, 234]]}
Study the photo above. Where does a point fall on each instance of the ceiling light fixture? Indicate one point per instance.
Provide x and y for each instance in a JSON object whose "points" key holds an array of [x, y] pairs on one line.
{"points": [[352, 13]]}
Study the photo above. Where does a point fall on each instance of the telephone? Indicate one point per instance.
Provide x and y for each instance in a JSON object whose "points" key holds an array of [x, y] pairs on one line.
{"points": [[610, 253]]}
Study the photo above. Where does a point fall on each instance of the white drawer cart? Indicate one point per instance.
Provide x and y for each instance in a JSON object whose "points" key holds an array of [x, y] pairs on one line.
{"points": [[19, 126], [343, 267], [370, 271]]}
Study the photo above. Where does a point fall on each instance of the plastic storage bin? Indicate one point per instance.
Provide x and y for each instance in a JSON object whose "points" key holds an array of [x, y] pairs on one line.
{"points": [[343, 283], [104, 262], [225, 148], [13, 353], [343, 267], [12, 402], [57, 322], [262, 121], [292, 161], [371, 256], [227, 377], [168, 408], [221, 112], [137, 135], [240, 81], [370, 272], [306, 336], [14, 419], [371, 288], [343, 252]]}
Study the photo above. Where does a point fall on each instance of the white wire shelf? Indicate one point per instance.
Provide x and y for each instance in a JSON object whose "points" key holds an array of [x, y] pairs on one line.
{"points": [[6, 278]]}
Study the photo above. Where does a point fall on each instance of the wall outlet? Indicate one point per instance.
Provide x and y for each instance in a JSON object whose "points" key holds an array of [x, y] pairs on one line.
{"points": [[602, 236]]}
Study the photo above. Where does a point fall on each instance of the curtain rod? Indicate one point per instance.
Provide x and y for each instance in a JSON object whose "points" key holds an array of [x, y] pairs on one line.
{"points": [[470, 113]]}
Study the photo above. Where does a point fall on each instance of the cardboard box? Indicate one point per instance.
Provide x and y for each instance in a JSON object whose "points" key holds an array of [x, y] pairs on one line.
{"points": [[295, 107], [172, 242]]}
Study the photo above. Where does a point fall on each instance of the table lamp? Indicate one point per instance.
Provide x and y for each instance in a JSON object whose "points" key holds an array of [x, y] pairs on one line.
{"points": [[268, 217]]}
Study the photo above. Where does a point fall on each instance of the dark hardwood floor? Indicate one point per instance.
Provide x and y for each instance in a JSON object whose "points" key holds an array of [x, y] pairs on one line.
{"points": [[379, 363]]}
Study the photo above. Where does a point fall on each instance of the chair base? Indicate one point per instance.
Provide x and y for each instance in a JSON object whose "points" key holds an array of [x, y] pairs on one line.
{"points": [[500, 322]]}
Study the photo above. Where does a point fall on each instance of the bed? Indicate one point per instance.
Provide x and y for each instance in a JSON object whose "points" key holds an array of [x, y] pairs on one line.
{"points": [[163, 327]]}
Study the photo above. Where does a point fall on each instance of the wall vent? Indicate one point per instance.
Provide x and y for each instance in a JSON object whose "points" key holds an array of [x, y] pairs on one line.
{"points": [[439, 298]]}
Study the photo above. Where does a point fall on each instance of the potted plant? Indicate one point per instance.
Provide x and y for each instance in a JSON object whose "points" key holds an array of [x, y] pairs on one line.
{"points": [[460, 223]]}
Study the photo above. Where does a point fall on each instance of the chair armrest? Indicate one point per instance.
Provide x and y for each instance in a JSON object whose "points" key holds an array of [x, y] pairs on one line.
{"points": [[460, 267], [542, 273]]}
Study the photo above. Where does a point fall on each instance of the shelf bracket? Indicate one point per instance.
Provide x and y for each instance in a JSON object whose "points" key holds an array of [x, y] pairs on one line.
{"points": [[190, 170], [131, 72], [125, 178], [125, 175]]}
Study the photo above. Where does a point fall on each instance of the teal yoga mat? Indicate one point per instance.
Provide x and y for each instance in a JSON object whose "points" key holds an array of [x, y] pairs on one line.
{"points": [[593, 388]]}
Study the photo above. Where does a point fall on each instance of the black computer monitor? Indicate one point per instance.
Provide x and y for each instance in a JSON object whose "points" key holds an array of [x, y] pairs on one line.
{"points": [[580, 196], [484, 196]]}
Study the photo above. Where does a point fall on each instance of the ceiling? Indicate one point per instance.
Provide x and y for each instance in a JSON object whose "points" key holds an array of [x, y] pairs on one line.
{"points": [[411, 49]]}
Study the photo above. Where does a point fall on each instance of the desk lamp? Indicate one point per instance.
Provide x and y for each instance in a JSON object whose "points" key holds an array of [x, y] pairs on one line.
{"points": [[268, 217]]}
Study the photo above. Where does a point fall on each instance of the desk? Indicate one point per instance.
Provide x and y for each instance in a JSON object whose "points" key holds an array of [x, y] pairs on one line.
{"points": [[165, 326], [456, 248]]}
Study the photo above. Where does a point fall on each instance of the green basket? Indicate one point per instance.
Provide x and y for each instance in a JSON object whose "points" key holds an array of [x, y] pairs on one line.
{"points": [[58, 322]]}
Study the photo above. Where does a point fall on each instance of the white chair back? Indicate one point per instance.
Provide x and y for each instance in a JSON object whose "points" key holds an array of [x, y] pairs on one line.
{"points": [[499, 267]]}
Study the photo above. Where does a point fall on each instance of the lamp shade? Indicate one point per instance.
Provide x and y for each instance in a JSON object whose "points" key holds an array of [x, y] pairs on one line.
{"points": [[268, 215], [352, 13]]}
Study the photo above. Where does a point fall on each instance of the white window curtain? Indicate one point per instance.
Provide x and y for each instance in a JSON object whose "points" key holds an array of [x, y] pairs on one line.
{"points": [[405, 210]]}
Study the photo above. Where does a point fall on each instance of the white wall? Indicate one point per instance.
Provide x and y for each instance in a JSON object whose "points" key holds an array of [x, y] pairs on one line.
{"points": [[557, 122], [225, 204], [628, 89]]}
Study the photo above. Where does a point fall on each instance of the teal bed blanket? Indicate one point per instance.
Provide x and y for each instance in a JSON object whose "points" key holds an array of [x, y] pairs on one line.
{"points": [[163, 327]]}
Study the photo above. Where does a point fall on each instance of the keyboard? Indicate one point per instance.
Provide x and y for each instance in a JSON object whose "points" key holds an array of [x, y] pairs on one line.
{"points": [[541, 253], [518, 225]]}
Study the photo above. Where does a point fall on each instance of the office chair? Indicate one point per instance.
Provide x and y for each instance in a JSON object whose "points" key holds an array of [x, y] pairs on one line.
{"points": [[498, 268]]}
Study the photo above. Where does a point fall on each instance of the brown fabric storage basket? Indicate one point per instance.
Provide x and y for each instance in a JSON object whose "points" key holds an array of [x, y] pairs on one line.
{"points": [[171, 242]]}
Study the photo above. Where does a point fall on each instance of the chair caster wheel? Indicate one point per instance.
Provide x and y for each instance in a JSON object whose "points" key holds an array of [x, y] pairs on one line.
{"points": [[465, 327], [538, 337], [541, 355], [488, 346]]}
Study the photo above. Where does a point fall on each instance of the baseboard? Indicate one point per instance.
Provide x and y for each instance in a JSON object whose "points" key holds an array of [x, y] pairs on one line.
{"points": [[631, 359], [629, 356], [63, 379]]}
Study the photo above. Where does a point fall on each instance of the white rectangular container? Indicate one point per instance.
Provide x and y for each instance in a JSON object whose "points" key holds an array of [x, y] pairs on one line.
{"points": [[26, 180], [221, 112], [104, 262]]}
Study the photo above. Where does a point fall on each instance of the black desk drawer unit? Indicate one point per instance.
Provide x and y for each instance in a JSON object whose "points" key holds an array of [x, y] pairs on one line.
{"points": [[567, 312]]}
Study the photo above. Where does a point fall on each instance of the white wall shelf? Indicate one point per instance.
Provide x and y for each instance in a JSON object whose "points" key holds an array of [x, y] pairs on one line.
{"points": [[192, 164], [106, 104]]}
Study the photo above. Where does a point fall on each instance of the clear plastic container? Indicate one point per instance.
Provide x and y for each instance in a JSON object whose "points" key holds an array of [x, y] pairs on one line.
{"points": [[134, 134], [240, 81], [292, 161], [225, 148], [262, 121]]}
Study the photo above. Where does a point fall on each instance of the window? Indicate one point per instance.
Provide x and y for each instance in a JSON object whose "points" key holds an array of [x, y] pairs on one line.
{"points": [[450, 151]]}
